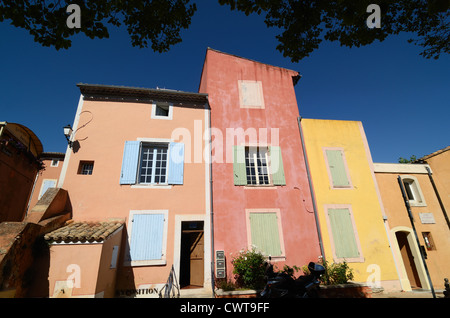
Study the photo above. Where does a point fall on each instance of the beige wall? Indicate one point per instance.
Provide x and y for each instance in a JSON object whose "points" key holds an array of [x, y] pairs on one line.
{"points": [[437, 260]]}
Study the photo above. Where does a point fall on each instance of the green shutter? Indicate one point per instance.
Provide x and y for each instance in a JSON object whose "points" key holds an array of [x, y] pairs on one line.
{"points": [[343, 233], [264, 233], [337, 168], [239, 171], [276, 166]]}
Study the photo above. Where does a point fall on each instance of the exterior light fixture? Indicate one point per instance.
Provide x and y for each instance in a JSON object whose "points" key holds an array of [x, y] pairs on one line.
{"points": [[68, 133]]}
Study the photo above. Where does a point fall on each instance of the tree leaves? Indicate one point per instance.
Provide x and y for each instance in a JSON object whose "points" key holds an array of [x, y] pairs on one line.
{"points": [[157, 23], [304, 24]]}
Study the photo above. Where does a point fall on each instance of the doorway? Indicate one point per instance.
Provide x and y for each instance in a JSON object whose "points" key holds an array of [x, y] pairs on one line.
{"points": [[192, 255], [408, 259]]}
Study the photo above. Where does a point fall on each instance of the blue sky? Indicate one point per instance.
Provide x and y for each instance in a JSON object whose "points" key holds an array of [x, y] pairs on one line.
{"points": [[401, 98]]}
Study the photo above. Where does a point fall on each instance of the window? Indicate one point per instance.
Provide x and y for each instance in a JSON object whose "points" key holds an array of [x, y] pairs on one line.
{"points": [[345, 242], [337, 168], [258, 166], [54, 163], [152, 163], [46, 184], [265, 233], [86, 167], [147, 240], [428, 239], [251, 94], [413, 191], [162, 110]]}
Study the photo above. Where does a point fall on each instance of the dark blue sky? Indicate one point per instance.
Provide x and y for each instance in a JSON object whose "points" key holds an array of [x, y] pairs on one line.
{"points": [[401, 98]]}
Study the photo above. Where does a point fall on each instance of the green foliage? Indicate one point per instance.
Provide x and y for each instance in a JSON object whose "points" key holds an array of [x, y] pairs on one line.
{"points": [[336, 273], [410, 160], [304, 24], [157, 23], [249, 269]]}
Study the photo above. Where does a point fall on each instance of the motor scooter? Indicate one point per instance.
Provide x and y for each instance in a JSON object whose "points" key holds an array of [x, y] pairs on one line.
{"points": [[282, 285]]}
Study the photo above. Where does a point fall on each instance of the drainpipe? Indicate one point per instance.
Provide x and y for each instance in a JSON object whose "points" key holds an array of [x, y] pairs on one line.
{"points": [[438, 196], [211, 202], [411, 218], [313, 198]]}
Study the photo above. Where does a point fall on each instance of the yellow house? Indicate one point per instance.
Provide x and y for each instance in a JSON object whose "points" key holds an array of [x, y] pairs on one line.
{"points": [[348, 203]]}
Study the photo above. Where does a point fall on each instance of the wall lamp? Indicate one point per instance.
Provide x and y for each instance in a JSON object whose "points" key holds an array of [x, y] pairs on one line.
{"points": [[68, 133]]}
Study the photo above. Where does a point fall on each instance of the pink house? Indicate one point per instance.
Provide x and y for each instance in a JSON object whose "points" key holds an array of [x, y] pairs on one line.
{"points": [[261, 194], [139, 189]]}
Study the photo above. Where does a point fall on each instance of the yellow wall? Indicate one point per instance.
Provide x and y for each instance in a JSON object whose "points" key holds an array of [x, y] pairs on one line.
{"points": [[363, 197]]}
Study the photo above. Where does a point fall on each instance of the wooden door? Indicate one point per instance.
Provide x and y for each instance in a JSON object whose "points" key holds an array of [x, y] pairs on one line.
{"points": [[197, 258], [408, 259]]}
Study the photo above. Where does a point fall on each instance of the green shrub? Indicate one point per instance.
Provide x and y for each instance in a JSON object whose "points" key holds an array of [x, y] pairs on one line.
{"points": [[336, 273], [249, 269]]}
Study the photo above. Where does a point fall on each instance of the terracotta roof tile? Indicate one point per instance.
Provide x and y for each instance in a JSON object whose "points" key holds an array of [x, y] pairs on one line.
{"points": [[83, 232]]}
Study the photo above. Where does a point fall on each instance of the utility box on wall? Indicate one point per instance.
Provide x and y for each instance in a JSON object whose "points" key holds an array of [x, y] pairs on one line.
{"points": [[220, 264]]}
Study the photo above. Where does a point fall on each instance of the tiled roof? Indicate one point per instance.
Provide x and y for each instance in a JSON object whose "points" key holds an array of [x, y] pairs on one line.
{"points": [[83, 232], [435, 153]]}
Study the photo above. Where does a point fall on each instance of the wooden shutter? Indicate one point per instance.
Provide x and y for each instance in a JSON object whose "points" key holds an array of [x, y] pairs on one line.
{"points": [[343, 233], [176, 163], [130, 162], [239, 171], [264, 233], [276, 166], [147, 237], [337, 168]]}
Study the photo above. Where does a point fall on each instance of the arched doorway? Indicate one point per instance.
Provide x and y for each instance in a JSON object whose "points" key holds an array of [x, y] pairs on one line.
{"points": [[412, 273]]}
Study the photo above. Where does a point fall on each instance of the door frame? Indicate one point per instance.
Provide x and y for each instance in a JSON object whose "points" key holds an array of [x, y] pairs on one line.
{"points": [[207, 246], [415, 250]]}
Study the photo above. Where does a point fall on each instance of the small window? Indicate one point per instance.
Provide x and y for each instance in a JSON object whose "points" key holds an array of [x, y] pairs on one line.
{"points": [[162, 111], [86, 167], [413, 191], [428, 239], [54, 163]]}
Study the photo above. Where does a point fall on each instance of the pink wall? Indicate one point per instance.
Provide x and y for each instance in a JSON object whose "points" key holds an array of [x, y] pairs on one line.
{"points": [[220, 77]]}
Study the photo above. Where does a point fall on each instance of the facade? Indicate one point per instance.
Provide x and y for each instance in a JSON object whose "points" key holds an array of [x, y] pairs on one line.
{"points": [[261, 195], [19, 164], [47, 177], [348, 201], [136, 159], [420, 230]]}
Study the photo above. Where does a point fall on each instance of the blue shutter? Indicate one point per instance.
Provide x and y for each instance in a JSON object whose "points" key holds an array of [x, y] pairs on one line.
{"points": [[130, 162], [46, 185], [176, 163], [147, 237]]}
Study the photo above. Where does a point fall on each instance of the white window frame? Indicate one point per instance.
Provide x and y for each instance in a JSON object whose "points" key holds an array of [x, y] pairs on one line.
{"points": [[254, 151], [169, 117], [54, 165], [419, 199], [163, 260], [156, 144]]}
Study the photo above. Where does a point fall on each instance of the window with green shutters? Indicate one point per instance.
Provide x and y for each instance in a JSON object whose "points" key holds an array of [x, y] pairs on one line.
{"points": [[265, 236], [337, 168], [258, 166], [343, 234]]}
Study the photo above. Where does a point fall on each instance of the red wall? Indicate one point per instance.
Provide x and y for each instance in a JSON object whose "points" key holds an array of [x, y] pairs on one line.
{"points": [[220, 77]]}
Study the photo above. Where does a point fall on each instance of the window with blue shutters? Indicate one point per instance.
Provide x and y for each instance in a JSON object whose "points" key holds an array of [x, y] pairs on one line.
{"points": [[147, 238], [152, 163]]}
